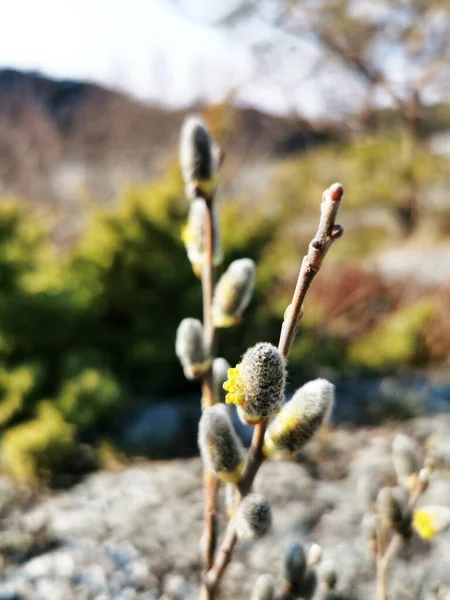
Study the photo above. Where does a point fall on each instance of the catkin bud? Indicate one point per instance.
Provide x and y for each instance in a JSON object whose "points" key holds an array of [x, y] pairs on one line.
{"points": [[314, 555], [423, 480], [231, 499], [369, 530], [428, 521], [299, 419], [189, 348], [193, 235], [295, 565], [367, 488], [220, 375], [220, 447], [196, 157], [392, 506], [264, 588], [233, 293], [328, 573], [256, 384], [405, 456], [309, 585], [253, 517]]}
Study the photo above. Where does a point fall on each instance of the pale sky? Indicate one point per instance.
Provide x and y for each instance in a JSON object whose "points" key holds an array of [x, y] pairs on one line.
{"points": [[167, 51], [158, 50]]}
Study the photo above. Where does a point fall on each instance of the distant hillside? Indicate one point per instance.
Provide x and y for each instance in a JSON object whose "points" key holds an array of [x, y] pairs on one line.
{"points": [[60, 136]]}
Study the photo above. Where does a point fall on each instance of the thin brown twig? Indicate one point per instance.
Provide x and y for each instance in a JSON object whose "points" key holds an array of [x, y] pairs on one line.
{"points": [[210, 482], [386, 554], [384, 562], [326, 234]]}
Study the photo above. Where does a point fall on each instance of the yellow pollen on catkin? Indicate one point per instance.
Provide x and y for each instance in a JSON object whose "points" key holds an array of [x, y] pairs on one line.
{"points": [[223, 321], [234, 477], [235, 387], [425, 523], [187, 236]]}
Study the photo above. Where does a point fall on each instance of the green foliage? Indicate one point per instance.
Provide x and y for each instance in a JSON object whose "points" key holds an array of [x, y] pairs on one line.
{"points": [[89, 397], [39, 446], [376, 171], [397, 341], [15, 386], [93, 328]]}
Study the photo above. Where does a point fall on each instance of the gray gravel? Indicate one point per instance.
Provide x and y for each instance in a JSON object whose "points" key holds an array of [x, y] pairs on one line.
{"points": [[133, 534]]}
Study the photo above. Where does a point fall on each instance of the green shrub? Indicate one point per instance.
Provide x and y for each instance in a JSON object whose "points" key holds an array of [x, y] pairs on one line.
{"points": [[37, 447], [88, 398], [396, 342]]}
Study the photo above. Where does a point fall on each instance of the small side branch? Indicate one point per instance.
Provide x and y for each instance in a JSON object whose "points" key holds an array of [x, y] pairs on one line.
{"points": [[326, 234], [210, 483], [384, 562]]}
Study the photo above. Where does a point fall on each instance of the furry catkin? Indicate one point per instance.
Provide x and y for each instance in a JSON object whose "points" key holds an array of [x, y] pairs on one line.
{"points": [[189, 348], [233, 292], [256, 384], [196, 157], [299, 419], [220, 447], [253, 517]]}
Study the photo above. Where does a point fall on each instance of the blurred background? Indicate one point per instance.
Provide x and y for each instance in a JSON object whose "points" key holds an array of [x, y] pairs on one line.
{"points": [[94, 278]]}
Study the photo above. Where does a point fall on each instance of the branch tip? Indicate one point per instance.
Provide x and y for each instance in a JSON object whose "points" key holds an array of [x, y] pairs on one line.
{"points": [[337, 232], [336, 192]]}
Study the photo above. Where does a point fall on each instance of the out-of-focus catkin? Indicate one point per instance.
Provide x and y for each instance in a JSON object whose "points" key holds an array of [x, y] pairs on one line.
{"points": [[299, 419], [220, 447], [428, 521], [264, 588], [295, 564], [253, 517], [196, 157], [406, 459], [393, 509], [233, 292], [256, 384], [220, 375], [193, 235], [189, 348]]}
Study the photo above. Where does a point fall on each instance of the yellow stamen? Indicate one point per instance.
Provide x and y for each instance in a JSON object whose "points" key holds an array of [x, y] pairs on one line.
{"points": [[234, 477], [425, 523], [235, 387]]}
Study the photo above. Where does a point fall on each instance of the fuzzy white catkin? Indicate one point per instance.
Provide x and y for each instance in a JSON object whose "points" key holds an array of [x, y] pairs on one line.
{"points": [[295, 565], [253, 517], [328, 573], [392, 506], [309, 585], [233, 292], [431, 520], [220, 375], [196, 156], [264, 588], [189, 345], [194, 234], [220, 447], [367, 488], [299, 419], [231, 498], [261, 376], [314, 554], [369, 527], [405, 456]]}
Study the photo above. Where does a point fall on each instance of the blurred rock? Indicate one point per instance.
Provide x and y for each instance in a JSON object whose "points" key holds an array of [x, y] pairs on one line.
{"points": [[133, 534]]}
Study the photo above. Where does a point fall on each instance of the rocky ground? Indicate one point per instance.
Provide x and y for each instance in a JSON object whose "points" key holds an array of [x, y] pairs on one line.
{"points": [[133, 533]]}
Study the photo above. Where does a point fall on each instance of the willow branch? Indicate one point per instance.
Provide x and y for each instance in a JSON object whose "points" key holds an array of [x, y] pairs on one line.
{"points": [[384, 562], [326, 234], [210, 483]]}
